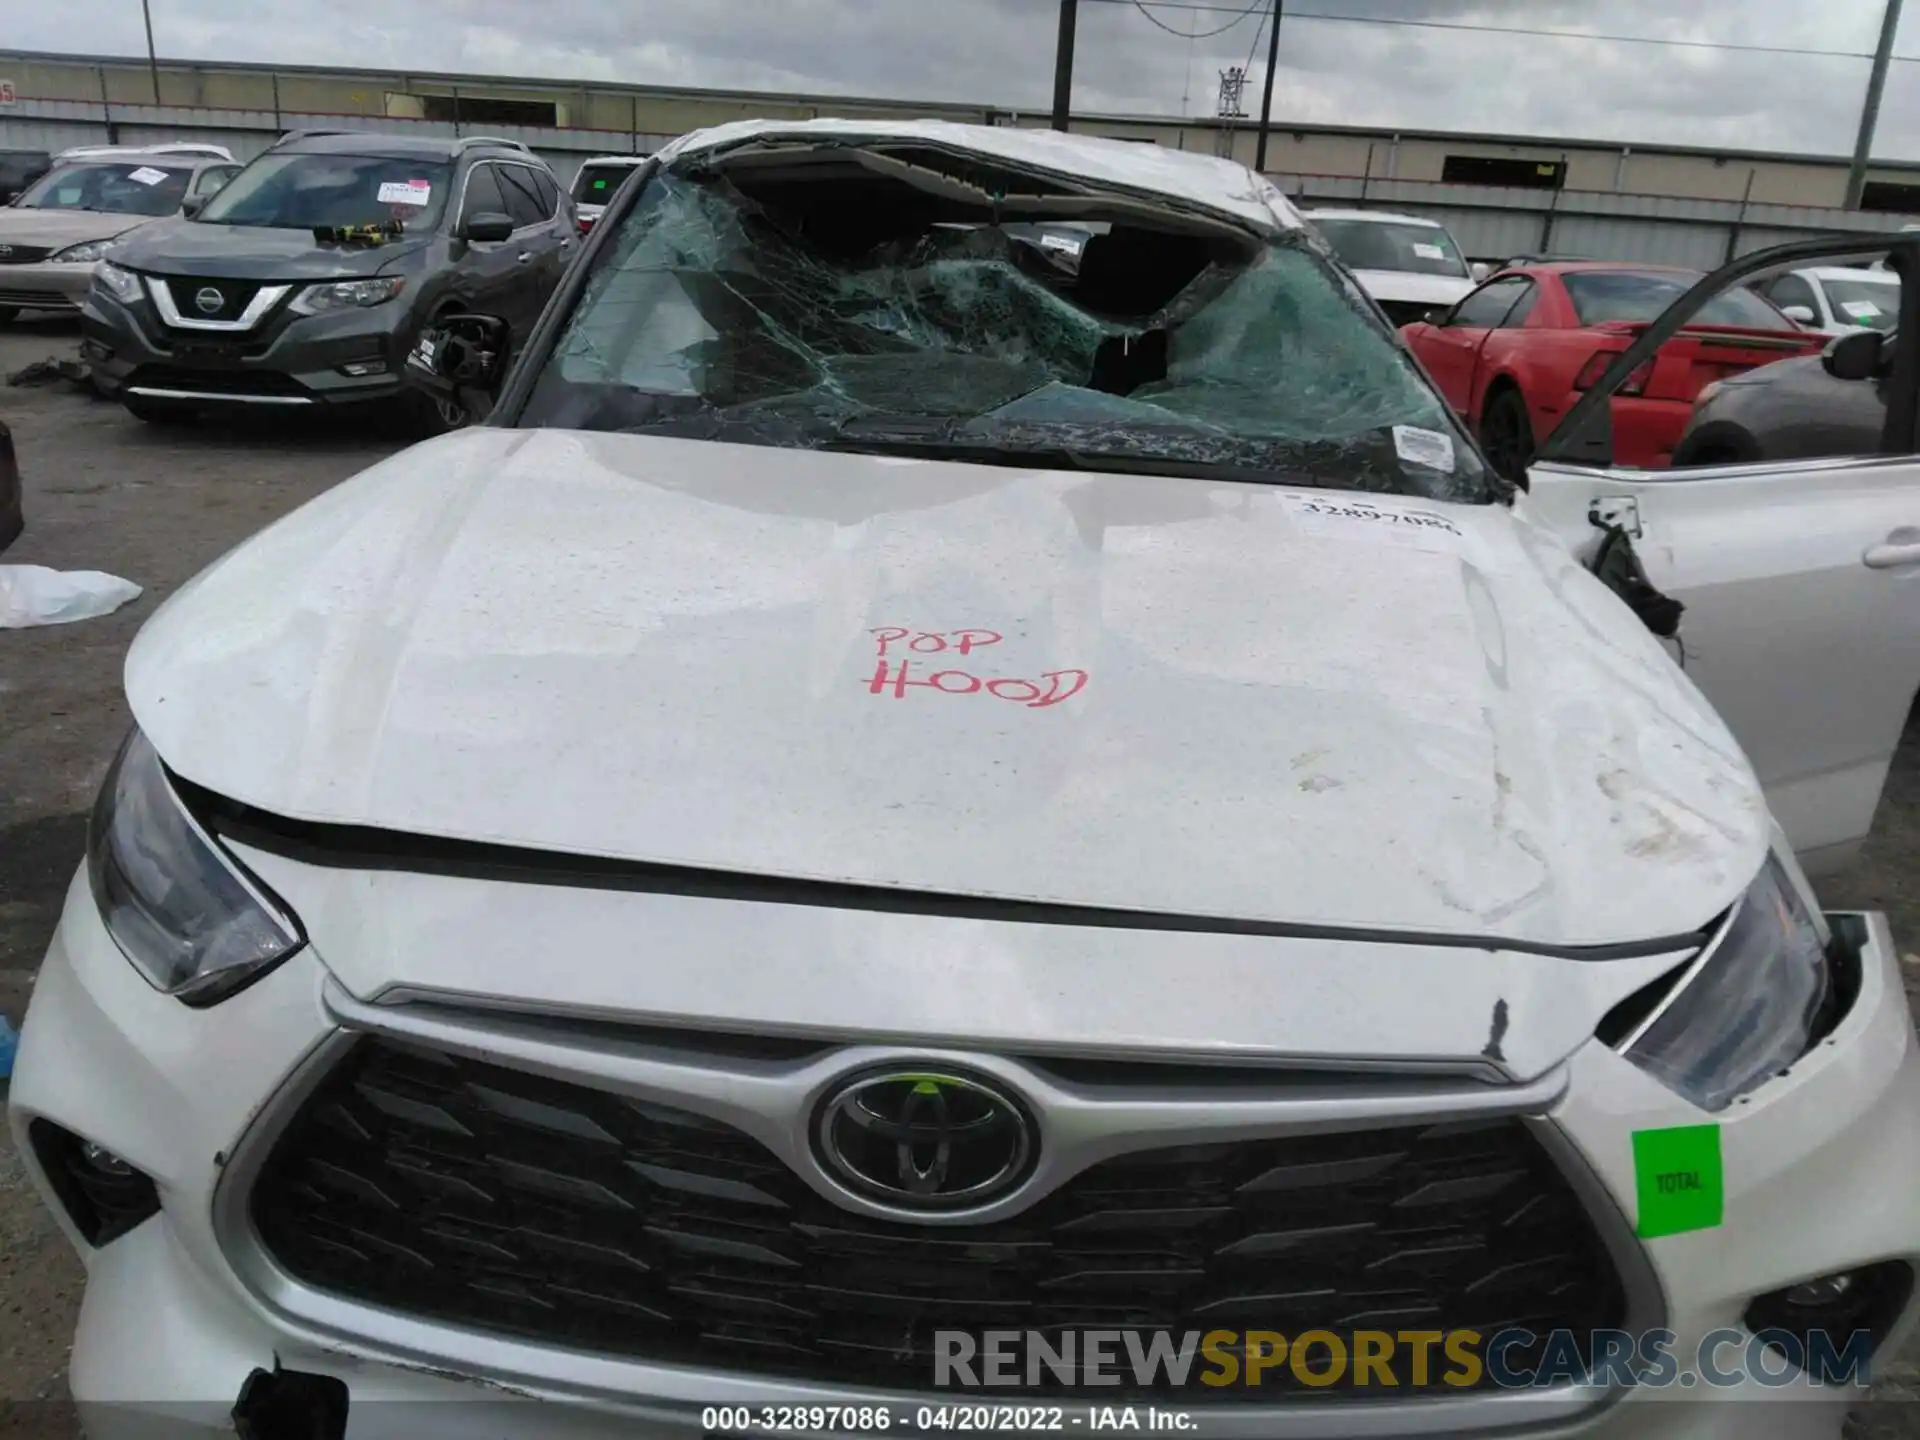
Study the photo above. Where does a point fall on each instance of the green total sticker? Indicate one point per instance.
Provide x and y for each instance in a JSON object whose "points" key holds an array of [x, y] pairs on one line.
{"points": [[1677, 1173]]}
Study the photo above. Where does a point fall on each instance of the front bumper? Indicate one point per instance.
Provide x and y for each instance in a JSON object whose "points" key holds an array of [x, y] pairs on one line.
{"points": [[1820, 1165], [45, 285], [286, 361]]}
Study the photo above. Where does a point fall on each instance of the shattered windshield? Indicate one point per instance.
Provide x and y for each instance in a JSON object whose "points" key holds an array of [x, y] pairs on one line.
{"points": [[781, 319]]}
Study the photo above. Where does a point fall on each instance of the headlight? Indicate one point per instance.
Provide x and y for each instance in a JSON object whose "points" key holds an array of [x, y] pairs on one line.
{"points": [[346, 295], [83, 254], [123, 283], [195, 924], [1707, 392], [1751, 1007]]}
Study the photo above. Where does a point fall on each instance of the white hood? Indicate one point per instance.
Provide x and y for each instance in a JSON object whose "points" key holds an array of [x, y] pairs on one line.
{"points": [[56, 229], [1411, 287], [1264, 706]]}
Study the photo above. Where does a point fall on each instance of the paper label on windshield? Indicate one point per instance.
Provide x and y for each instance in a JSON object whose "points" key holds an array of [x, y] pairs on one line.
{"points": [[406, 192], [146, 175], [1679, 1181], [1862, 309], [1428, 252], [1431, 448], [1353, 517]]}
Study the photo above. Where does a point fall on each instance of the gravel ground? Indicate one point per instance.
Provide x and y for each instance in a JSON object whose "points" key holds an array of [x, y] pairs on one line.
{"points": [[105, 492]]}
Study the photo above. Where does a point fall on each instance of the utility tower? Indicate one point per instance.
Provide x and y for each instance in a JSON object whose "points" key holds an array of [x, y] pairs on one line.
{"points": [[1233, 82]]}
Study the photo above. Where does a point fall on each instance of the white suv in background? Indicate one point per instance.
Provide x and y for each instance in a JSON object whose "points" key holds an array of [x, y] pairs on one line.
{"points": [[597, 181], [1409, 265], [1836, 298]]}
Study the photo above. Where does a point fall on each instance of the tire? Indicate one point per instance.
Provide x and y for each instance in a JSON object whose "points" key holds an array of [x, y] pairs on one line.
{"points": [[424, 416], [158, 412], [1717, 443], [1506, 434]]}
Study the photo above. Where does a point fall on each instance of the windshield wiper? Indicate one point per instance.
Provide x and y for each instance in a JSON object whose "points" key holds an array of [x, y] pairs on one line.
{"points": [[981, 451]]}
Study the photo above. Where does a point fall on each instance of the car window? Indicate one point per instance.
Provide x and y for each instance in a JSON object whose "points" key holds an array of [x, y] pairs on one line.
{"points": [[299, 191], [1718, 399], [1638, 296], [1393, 245], [522, 195], [1488, 305], [1517, 316], [595, 184], [714, 312], [1792, 290], [1864, 301], [483, 194], [134, 186], [549, 189], [211, 179]]}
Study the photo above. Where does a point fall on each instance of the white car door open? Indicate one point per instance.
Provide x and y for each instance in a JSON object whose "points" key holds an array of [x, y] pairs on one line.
{"points": [[1801, 582]]}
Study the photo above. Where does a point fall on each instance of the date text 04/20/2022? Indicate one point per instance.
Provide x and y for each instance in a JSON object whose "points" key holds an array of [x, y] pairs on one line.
{"points": [[841, 1420]]}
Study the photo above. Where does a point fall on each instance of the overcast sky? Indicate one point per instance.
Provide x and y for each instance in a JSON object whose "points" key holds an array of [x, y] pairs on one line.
{"points": [[1334, 68]]}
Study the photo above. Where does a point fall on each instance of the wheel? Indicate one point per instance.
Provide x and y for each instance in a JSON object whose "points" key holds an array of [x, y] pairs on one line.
{"points": [[1719, 442], [1506, 434], [158, 412], [428, 415]]}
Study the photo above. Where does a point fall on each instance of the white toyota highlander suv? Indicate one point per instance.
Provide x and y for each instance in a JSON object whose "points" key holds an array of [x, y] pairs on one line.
{"points": [[919, 798]]}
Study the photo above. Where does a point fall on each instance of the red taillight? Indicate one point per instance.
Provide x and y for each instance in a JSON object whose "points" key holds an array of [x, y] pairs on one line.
{"points": [[1591, 372]]}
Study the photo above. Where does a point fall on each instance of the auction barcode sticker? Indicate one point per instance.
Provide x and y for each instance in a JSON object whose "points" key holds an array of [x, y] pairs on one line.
{"points": [[1431, 448], [406, 192]]}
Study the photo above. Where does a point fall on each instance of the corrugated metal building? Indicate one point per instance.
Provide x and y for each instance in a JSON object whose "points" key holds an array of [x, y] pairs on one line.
{"points": [[1501, 195]]}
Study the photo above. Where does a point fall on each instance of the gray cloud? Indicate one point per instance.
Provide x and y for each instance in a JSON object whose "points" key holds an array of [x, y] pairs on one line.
{"points": [[1333, 68]]}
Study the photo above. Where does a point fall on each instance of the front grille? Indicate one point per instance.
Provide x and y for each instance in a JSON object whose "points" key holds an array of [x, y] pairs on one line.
{"points": [[23, 254], [234, 296], [38, 299], [506, 1202]]}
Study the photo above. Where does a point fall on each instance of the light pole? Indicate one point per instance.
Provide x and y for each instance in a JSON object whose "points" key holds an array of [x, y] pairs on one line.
{"points": [[153, 65], [1266, 100], [1870, 110], [1063, 64]]}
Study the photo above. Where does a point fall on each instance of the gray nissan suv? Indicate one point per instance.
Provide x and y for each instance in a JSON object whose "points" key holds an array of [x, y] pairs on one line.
{"points": [[306, 279]]}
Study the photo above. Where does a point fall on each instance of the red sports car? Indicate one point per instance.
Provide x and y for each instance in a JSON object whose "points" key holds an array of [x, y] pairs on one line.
{"points": [[1513, 356]]}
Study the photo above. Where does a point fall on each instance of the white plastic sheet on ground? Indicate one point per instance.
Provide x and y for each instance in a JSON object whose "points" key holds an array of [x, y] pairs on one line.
{"points": [[35, 595]]}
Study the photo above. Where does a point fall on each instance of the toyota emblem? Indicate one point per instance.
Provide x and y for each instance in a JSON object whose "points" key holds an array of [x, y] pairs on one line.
{"points": [[208, 301], [925, 1140]]}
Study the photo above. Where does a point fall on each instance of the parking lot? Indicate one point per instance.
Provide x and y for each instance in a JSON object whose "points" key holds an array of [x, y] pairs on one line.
{"points": [[104, 491]]}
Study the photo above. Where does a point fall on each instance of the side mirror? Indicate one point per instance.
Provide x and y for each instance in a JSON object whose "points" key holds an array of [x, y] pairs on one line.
{"points": [[1854, 356], [1438, 317], [1479, 270], [1800, 314], [461, 353], [486, 228], [193, 205]]}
